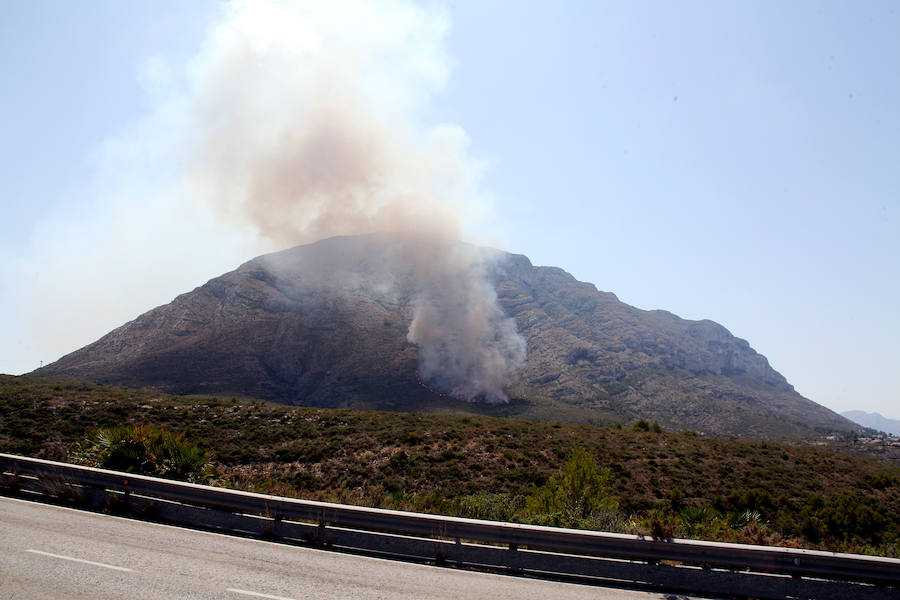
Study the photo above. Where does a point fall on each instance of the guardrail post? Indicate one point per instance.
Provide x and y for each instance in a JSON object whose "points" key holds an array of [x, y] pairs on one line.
{"points": [[512, 560], [320, 533], [276, 527]]}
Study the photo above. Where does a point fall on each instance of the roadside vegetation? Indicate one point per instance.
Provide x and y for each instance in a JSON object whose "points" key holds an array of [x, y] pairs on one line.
{"points": [[146, 450], [635, 479]]}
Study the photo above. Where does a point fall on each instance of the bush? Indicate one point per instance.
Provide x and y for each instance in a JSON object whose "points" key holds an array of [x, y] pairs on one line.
{"points": [[661, 524], [145, 450], [698, 518], [492, 507], [676, 499], [574, 493]]}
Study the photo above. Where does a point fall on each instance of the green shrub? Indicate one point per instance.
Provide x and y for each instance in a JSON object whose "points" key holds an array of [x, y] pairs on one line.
{"points": [[576, 492], [146, 450], [492, 507], [676, 499], [697, 518]]}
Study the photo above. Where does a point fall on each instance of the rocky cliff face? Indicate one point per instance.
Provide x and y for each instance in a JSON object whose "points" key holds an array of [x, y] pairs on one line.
{"points": [[606, 333], [326, 325]]}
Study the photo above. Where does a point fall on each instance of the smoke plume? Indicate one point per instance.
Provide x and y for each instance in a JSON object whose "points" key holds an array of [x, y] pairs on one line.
{"points": [[303, 121], [467, 346]]}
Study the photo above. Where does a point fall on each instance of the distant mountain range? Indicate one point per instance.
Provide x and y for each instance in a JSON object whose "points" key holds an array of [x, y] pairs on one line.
{"points": [[874, 421], [327, 324]]}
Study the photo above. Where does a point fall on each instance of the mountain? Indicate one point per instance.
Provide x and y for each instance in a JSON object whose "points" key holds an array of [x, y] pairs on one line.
{"points": [[326, 324], [874, 421]]}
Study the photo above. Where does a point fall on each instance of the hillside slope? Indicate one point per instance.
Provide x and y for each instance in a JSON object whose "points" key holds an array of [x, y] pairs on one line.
{"points": [[326, 325], [831, 496]]}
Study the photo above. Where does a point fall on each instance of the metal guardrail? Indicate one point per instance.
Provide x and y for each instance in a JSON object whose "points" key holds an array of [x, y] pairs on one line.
{"points": [[674, 565]]}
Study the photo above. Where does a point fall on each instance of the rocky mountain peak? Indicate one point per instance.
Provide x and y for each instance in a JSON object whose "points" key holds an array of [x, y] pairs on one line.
{"points": [[328, 324]]}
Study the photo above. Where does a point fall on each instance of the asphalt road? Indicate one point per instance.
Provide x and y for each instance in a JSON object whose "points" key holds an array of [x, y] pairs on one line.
{"points": [[60, 553]]}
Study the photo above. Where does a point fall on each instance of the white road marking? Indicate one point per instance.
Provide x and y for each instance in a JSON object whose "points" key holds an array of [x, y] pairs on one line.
{"points": [[257, 594], [80, 560]]}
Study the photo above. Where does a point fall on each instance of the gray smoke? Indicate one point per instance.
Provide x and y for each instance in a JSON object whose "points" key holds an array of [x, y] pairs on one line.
{"points": [[467, 345], [303, 123]]}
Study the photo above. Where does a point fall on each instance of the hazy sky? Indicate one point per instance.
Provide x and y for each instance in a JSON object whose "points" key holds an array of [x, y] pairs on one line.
{"points": [[737, 162]]}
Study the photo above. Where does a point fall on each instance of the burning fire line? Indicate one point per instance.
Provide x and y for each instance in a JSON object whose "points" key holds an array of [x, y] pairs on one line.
{"points": [[432, 390]]}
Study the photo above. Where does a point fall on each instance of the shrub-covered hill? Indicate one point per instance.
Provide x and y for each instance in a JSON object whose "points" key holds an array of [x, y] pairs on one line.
{"points": [[664, 483]]}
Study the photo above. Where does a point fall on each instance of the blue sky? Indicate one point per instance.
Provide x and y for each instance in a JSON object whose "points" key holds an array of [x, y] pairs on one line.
{"points": [[736, 162]]}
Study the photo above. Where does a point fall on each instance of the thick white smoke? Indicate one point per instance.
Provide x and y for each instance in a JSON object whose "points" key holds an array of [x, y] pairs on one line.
{"points": [[467, 345], [303, 120]]}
